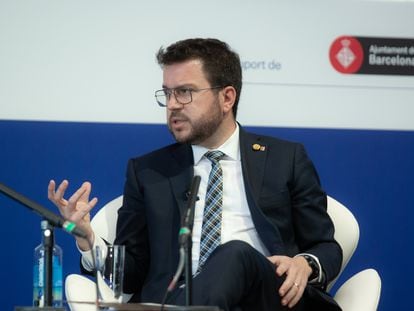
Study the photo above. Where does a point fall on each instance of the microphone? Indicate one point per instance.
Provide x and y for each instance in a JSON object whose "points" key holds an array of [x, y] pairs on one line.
{"points": [[187, 224], [52, 218], [184, 237]]}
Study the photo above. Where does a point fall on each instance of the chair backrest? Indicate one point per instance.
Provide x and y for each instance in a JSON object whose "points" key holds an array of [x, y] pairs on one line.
{"points": [[361, 292], [104, 221], [79, 288], [346, 231]]}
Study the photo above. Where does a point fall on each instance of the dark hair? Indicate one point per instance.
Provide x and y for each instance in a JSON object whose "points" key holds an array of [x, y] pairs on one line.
{"points": [[220, 64]]}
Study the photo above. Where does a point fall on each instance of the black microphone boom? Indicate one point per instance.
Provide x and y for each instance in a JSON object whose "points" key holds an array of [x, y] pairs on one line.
{"points": [[187, 225], [54, 220]]}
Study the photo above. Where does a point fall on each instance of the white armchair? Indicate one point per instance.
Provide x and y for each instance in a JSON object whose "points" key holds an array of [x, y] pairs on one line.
{"points": [[359, 293], [346, 231], [362, 291], [79, 289]]}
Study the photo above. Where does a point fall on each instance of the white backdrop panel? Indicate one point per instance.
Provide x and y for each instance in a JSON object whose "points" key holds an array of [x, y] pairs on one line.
{"points": [[95, 60]]}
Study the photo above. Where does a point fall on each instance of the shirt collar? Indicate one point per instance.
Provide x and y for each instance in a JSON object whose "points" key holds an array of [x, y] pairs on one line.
{"points": [[231, 147]]}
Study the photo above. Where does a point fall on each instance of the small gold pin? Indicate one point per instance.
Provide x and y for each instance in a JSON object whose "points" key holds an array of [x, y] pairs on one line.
{"points": [[257, 147]]}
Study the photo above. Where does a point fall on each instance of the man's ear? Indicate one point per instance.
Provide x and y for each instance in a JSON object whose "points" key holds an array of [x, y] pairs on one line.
{"points": [[229, 98]]}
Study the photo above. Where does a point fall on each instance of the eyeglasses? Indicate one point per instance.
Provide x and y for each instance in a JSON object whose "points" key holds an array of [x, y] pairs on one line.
{"points": [[183, 95]]}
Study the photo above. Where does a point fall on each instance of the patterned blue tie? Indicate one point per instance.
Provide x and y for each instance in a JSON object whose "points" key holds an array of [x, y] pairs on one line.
{"points": [[211, 229]]}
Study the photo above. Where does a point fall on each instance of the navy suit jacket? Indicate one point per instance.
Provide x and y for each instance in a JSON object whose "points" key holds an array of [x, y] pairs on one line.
{"points": [[286, 201]]}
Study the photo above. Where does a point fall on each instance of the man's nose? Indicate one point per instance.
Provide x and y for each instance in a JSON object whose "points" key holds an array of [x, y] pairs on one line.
{"points": [[173, 104]]}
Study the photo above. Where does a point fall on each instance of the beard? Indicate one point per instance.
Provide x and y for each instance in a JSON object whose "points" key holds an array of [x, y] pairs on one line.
{"points": [[201, 128]]}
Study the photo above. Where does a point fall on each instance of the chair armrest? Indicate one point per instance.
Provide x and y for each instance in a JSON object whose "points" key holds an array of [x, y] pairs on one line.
{"points": [[361, 292]]}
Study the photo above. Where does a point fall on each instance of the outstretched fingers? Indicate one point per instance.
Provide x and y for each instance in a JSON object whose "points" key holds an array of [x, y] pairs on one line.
{"points": [[78, 206], [56, 196]]}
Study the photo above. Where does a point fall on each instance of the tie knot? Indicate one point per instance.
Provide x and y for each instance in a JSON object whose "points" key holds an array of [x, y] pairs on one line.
{"points": [[214, 156]]}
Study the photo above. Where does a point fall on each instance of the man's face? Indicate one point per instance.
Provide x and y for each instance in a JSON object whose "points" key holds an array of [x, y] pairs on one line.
{"points": [[198, 121]]}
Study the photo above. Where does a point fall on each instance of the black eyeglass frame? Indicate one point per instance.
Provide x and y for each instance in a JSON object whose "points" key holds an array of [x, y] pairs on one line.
{"points": [[166, 92]]}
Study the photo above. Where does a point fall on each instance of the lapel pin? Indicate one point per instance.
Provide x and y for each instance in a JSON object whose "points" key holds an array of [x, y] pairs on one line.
{"points": [[257, 147]]}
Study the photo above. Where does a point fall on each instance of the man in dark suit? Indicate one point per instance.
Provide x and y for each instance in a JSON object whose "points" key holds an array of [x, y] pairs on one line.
{"points": [[262, 239]]}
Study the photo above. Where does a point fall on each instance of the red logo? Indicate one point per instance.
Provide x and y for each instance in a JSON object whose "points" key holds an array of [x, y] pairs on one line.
{"points": [[346, 54]]}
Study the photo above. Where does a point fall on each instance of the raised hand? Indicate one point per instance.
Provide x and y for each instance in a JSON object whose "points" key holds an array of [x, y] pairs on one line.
{"points": [[75, 209]]}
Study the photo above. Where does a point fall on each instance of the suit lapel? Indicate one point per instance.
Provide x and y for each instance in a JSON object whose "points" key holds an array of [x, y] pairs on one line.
{"points": [[182, 171], [253, 158], [254, 154]]}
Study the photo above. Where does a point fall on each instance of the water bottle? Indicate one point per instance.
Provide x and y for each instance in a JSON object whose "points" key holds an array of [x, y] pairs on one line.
{"points": [[40, 273]]}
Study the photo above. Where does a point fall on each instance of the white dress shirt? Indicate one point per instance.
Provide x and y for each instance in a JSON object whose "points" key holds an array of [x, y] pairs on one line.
{"points": [[236, 223]]}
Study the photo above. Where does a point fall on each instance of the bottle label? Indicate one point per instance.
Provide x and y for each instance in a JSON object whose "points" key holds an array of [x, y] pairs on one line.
{"points": [[39, 280], [57, 281]]}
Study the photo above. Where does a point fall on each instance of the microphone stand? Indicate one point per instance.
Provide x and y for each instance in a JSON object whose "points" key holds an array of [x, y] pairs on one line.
{"points": [[188, 273], [48, 243], [185, 239]]}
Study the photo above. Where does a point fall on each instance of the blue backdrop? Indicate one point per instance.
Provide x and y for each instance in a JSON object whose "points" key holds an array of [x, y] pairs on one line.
{"points": [[371, 172]]}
